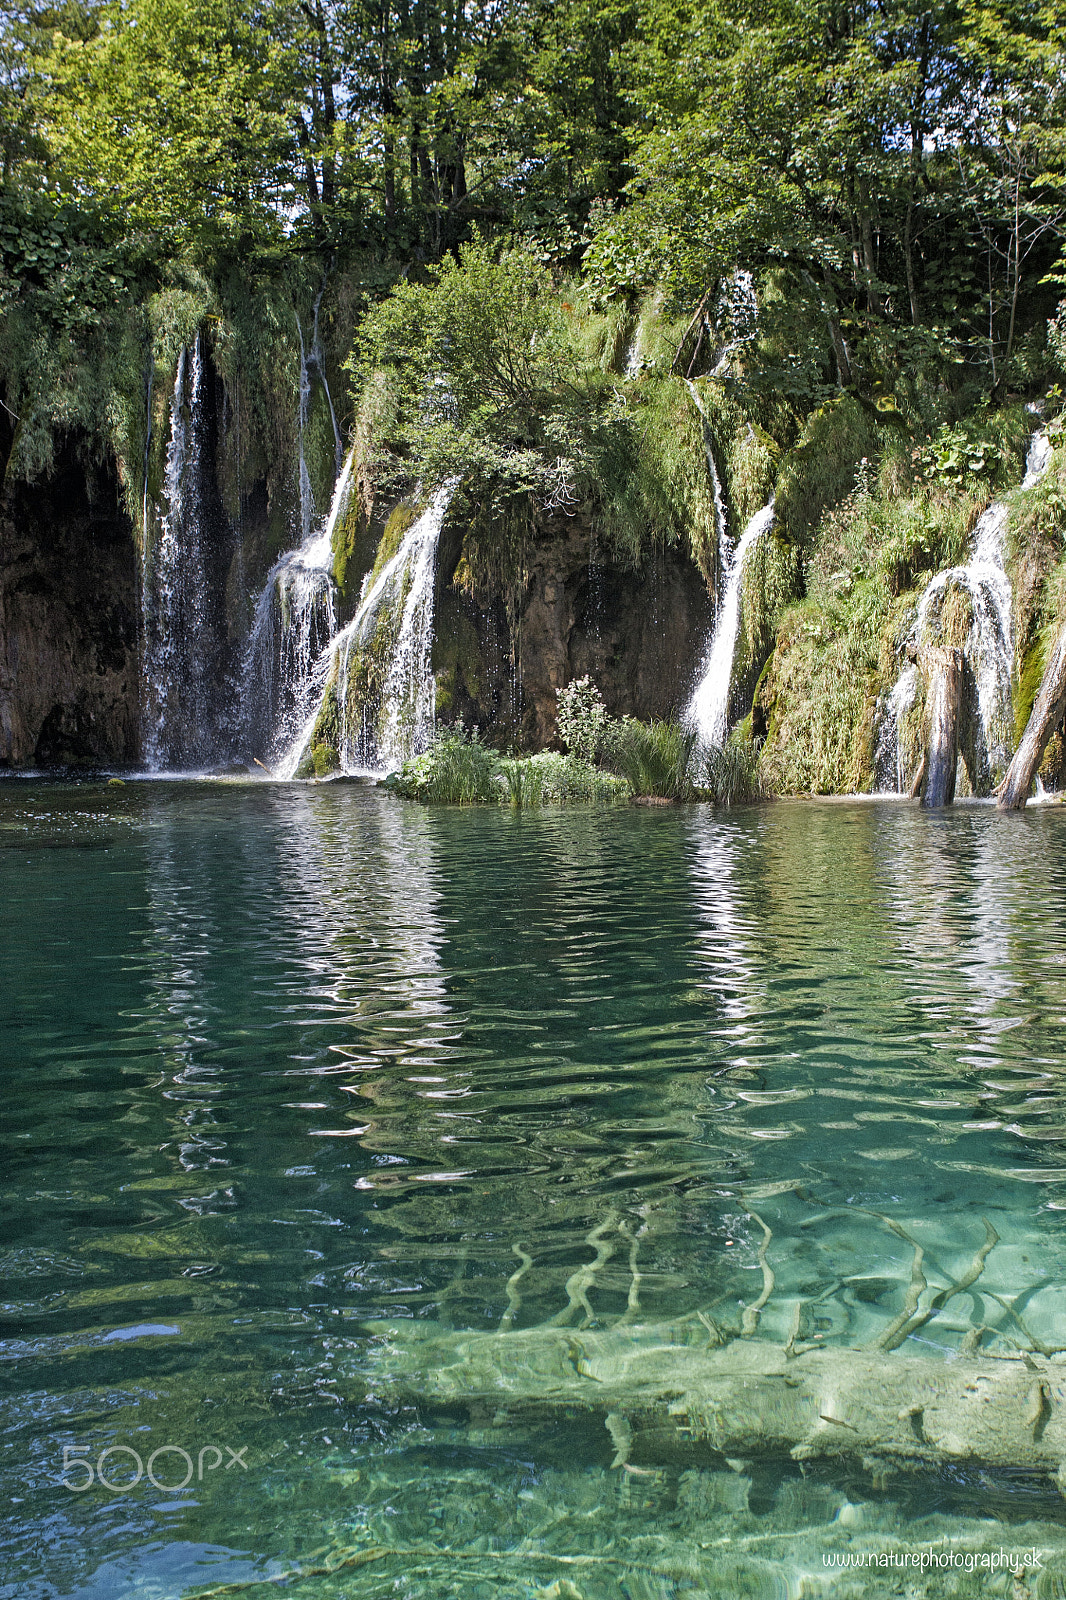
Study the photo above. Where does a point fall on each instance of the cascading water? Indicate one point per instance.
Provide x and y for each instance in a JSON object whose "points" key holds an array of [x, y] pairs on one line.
{"points": [[295, 619], [184, 667], [707, 713], [737, 318], [375, 677], [889, 763], [988, 647]]}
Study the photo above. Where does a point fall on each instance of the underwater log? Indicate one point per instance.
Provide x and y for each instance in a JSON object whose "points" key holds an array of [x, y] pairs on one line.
{"points": [[1049, 707], [676, 1398], [944, 673]]}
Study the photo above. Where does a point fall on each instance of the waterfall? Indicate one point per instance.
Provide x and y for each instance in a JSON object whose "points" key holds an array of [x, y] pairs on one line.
{"points": [[707, 712], [889, 773], [634, 356], [378, 669], [181, 717], [988, 647], [295, 619]]}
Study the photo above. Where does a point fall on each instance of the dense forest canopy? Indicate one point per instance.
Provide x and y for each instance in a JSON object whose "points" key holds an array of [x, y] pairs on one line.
{"points": [[894, 175]]}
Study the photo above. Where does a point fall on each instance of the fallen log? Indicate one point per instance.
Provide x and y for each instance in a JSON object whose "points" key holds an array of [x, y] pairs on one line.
{"points": [[1049, 708], [668, 1394], [944, 671]]}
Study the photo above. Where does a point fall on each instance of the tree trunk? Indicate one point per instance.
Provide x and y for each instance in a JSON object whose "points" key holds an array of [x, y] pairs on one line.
{"points": [[1049, 707], [664, 1399], [944, 673], [908, 261]]}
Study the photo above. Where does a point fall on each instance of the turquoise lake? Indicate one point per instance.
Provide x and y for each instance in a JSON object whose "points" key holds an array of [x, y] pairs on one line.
{"points": [[287, 1066]]}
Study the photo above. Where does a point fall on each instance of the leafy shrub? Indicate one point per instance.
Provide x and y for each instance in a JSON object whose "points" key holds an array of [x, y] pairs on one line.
{"points": [[581, 718], [458, 769], [989, 446], [565, 780]]}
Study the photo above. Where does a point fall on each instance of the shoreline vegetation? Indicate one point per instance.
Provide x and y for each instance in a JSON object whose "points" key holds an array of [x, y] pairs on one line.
{"points": [[634, 761]]}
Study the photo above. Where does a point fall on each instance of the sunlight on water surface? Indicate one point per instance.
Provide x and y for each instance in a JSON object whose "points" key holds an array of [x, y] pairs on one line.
{"points": [[289, 1068]]}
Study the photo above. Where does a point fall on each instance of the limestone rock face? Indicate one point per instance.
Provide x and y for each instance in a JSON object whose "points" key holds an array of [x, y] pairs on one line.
{"points": [[640, 634], [69, 605]]}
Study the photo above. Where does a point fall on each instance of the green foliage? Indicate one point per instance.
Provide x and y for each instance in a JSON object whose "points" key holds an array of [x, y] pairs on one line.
{"points": [[729, 774], [650, 483], [141, 112], [989, 446], [567, 780], [581, 718], [458, 769], [654, 757], [499, 380], [818, 695], [483, 374], [821, 469]]}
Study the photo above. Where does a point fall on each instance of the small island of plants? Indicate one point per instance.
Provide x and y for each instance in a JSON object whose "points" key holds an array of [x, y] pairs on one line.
{"points": [[611, 760]]}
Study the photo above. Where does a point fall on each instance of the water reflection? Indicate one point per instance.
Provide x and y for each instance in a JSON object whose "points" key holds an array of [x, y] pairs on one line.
{"points": [[296, 1062]]}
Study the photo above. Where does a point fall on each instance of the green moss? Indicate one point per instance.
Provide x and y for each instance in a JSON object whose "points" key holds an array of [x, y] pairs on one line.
{"points": [[772, 579], [821, 469], [650, 484], [403, 518], [322, 755], [818, 694], [368, 663], [955, 617], [353, 550], [751, 459], [458, 666], [325, 759], [1029, 679]]}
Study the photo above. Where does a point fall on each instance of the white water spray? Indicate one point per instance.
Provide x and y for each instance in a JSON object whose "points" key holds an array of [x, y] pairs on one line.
{"points": [[707, 713], [379, 730], [989, 645], [174, 580], [295, 619]]}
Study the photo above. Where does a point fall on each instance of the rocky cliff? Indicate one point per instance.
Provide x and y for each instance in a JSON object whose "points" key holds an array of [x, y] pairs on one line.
{"points": [[69, 603], [640, 632]]}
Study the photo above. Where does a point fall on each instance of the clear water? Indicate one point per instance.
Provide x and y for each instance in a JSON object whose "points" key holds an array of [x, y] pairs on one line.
{"points": [[284, 1062]]}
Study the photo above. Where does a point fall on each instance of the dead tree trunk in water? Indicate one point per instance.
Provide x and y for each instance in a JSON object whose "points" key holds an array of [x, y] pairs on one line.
{"points": [[944, 674], [1049, 707]]}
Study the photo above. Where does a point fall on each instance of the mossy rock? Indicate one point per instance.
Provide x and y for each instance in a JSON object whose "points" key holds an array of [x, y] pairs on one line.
{"points": [[1052, 772], [956, 617], [353, 553], [751, 461], [822, 467], [1029, 679], [818, 695], [324, 759], [458, 666], [403, 518]]}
